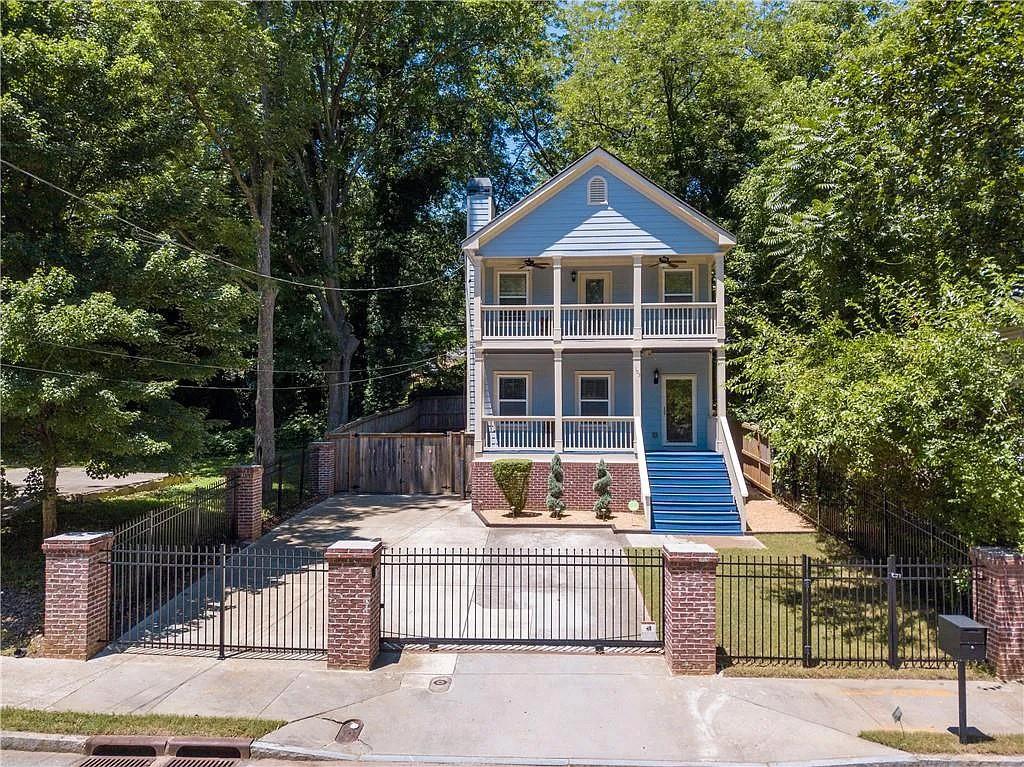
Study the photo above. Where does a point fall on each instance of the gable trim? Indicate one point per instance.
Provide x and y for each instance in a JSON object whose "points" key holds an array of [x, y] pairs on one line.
{"points": [[624, 173]]}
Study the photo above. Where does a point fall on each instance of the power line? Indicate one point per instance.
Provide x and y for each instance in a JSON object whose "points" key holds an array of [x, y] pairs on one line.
{"points": [[157, 239], [125, 355], [206, 387]]}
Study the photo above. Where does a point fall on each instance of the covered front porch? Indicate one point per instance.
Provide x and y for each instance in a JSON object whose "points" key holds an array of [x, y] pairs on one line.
{"points": [[613, 402]]}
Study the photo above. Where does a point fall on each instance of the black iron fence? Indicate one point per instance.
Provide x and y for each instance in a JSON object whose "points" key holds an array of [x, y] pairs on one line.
{"points": [[195, 517], [288, 484], [219, 599], [872, 523], [809, 611], [581, 597]]}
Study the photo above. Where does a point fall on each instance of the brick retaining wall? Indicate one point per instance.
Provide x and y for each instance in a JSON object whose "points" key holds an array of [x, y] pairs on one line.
{"points": [[578, 482]]}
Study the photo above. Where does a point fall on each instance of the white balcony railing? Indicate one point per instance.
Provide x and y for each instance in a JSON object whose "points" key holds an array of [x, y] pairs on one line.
{"points": [[597, 321], [517, 321], [523, 432], [586, 433], [679, 320]]}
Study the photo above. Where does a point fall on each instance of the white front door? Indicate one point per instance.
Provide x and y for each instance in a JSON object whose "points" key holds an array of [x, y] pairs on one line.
{"points": [[678, 410]]}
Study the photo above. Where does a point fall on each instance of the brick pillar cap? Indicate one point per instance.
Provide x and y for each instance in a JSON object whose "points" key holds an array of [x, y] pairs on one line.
{"points": [[245, 467], [1000, 554], [83, 541], [687, 547], [341, 547], [322, 442]]}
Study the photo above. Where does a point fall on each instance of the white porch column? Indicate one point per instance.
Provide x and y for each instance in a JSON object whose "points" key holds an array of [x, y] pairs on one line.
{"points": [[637, 358], [638, 282], [720, 296], [478, 380], [558, 401], [556, 280], [720, 393]]}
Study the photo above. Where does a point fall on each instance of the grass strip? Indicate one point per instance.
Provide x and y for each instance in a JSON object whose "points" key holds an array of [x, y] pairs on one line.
{"points": [[83, 723], [929, 742]]}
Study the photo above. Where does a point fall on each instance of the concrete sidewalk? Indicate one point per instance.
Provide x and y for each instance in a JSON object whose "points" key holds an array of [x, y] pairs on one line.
{"points": [[497, 707]]}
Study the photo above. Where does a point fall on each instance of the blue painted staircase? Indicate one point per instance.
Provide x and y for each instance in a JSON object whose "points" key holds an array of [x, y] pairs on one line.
{"points": [[690, 494]]}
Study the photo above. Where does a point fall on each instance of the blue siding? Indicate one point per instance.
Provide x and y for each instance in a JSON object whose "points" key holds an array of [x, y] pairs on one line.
{"points": [[541, 283], [542, 392], [621, 365], [629, 223], [695, 363]]}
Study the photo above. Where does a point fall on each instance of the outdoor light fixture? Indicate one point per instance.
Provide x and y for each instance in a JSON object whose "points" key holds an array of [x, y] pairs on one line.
{"points": [[657, 376], [572, 275]]}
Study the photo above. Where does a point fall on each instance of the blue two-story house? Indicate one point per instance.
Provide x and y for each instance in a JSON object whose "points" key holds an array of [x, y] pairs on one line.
{"points": [[596, 329]]}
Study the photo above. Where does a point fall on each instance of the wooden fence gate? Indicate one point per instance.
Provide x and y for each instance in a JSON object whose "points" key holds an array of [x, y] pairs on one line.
{"points": [[404, 463]]}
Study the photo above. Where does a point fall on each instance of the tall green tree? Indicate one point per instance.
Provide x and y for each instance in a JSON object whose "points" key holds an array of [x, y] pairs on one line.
{"points": [[88, 303]]}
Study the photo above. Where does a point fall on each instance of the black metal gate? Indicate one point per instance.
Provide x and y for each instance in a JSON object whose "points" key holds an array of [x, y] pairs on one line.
{"points": [[540, 597], [219, 599]]}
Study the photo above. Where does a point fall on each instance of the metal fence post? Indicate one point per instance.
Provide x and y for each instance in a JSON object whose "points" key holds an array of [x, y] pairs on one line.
{"points": [[149, 536], [890, 578], [805, 628], [223, 597]]}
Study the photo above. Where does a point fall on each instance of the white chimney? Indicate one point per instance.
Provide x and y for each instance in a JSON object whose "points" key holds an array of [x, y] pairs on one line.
{"points": [[479, 204]]}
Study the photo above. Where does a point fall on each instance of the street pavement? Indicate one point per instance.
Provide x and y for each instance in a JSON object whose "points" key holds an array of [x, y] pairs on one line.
{"points": [[504, 706]]}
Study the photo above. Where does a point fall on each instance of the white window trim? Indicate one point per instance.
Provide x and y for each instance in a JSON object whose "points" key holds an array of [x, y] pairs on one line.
{"points": [[693, 281], [581, 286], [497, 284], [496, 398], [610, 375], [590, 183], [665, 378]]}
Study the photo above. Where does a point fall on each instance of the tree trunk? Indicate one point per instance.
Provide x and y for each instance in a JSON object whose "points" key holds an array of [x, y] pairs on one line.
{"points": [[339, 368], [49, 500], [265, 447]]}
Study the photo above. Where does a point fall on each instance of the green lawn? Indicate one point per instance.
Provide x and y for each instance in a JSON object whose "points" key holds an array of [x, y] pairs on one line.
{"points": [[80, 723], [927, 742]]}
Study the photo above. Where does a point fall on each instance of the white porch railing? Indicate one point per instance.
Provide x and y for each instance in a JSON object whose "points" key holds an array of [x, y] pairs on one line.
{"points": [[522, 432], [517, 321], [641, 459], [597, 321], [725, 446], [586, 433], [679, 320]]}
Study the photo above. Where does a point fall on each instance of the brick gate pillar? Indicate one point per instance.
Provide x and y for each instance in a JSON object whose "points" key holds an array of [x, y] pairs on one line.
{"points": [[245, 500], [999, 605], [353, 604], [324, 467], [77, 599], [689, 607]]}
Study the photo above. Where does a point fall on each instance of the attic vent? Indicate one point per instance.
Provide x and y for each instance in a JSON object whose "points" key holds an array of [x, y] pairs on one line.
{"points": [[597, 191]]}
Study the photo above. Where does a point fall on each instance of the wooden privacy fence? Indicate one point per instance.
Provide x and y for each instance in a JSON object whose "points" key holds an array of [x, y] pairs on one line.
{"points": [[756, 458], [426, 414], [406, 463]]}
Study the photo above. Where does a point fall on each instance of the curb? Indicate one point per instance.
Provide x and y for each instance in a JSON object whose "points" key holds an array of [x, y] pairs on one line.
{"points": [[41, 741]]}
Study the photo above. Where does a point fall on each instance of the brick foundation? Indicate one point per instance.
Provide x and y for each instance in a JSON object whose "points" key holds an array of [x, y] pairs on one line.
{"points": [[324, 455], [353, 604], [689, 607], [77, 599], [999, 605], [578, 482], [245, 501]]}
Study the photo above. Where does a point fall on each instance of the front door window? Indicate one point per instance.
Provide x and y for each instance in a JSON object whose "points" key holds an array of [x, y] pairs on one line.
{"points": [[678, 411], [594, 290]]}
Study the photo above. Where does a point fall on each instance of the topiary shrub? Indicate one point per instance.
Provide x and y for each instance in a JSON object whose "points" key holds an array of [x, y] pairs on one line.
{"points": [[512, 476], [603, 486], [554, 500]]}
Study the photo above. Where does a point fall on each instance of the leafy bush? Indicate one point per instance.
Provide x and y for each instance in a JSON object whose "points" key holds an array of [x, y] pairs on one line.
{"points": [[603, 486], [512, 476], [556, 476]]}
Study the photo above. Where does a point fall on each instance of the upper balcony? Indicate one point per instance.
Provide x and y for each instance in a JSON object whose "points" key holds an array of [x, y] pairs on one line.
{"points": [[580, 302]]}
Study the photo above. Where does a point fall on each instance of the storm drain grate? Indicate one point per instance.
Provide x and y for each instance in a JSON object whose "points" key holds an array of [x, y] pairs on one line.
{"points": [[201, 761], [118, 761]]}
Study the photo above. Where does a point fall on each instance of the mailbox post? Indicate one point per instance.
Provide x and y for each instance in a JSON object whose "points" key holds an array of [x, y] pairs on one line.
{"points": [[965, 640]]}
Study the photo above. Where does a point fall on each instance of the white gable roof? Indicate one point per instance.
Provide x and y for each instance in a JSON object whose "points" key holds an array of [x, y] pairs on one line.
{"points": [[609, 162]]}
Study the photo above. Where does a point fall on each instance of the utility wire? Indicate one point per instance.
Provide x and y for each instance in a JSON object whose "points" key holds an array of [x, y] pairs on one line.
{"points": [[125, 355], [206, 387], [164, 239]]}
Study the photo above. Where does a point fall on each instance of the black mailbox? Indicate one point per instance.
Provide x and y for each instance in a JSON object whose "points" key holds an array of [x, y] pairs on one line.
{"points": [[961, 637]]}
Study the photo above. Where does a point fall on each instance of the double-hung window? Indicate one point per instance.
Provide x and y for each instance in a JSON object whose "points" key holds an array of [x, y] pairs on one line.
{"points": [[513, 394], [513, 288], [594, 393], [677, 286]]}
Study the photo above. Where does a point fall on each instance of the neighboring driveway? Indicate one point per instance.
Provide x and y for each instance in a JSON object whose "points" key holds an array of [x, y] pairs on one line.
{"points": [[73, 480]]}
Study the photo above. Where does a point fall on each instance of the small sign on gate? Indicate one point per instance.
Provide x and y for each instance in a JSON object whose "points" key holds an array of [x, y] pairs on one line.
{"points": [[648, 631]]}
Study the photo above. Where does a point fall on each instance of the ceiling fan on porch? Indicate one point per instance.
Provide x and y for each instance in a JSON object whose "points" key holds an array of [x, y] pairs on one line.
{"points": [[666, 261], [529, 263]]}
